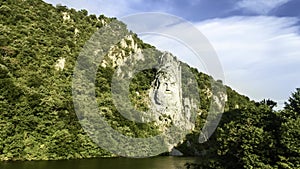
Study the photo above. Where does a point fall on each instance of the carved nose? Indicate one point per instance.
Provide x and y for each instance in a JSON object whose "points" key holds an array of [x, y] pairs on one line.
{"points": [[167, 88]]}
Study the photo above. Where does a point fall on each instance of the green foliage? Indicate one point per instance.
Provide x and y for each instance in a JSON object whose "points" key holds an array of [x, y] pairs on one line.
{"points": [[253, 135], [37, 118], [292, 107], [139, 89], [290, 132]]}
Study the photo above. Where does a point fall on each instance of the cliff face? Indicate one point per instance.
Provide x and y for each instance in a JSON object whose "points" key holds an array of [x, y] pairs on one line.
{"points": [[167, 104], [166, 95]]}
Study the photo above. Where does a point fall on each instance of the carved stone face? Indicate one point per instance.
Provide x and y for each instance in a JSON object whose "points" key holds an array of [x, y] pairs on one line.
{"points": [[167, 86], [166, 96]]}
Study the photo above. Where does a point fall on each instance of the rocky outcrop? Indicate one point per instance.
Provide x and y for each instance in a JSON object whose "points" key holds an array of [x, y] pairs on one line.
{"points": [[167, 101], [166, 95], [66, 16], [118, 54], [175, 152], [60, 64], [171, 107]]}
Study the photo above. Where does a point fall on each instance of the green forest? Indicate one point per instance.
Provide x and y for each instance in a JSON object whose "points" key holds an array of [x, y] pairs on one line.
{"points": [[37, 116]]}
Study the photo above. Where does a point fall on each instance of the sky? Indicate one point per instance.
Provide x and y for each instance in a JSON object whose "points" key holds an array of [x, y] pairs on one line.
{"points": [[257, 41]]}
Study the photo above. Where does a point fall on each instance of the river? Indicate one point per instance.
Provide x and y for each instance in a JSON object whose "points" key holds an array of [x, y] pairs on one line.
{"points": [[104, 163]]}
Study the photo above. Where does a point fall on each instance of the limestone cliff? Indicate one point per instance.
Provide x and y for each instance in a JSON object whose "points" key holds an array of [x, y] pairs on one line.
{"points": [[170, 102], [166, 95]]}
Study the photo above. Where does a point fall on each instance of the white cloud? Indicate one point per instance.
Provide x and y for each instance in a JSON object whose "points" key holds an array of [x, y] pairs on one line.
{"points": [[260, 6], [260, 55]]}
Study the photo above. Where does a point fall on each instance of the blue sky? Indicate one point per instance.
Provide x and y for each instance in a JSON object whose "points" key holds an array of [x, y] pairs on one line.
{"points": [[257, 41]]}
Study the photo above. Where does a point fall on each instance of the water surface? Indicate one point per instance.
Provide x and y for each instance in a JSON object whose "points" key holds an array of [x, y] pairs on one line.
{"points": [[104, 163]]}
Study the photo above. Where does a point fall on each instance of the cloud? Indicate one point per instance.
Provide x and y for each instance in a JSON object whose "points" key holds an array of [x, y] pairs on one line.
{"points": [[260, 55], [260, 6]]}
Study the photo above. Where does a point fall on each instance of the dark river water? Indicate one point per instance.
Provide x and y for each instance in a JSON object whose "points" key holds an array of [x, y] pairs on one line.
{"points": [[104, 163]]}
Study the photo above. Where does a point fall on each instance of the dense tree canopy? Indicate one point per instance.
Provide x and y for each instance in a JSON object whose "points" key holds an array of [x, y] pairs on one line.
{"points": [[256, 136]]}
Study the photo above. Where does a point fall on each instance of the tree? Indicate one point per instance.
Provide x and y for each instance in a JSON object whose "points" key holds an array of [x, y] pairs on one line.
{"points": [[290, 133], [269, 103], [292, 107]]}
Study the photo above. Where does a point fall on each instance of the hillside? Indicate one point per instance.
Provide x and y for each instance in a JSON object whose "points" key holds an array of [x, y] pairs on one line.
{"points": [[39, 47]]}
